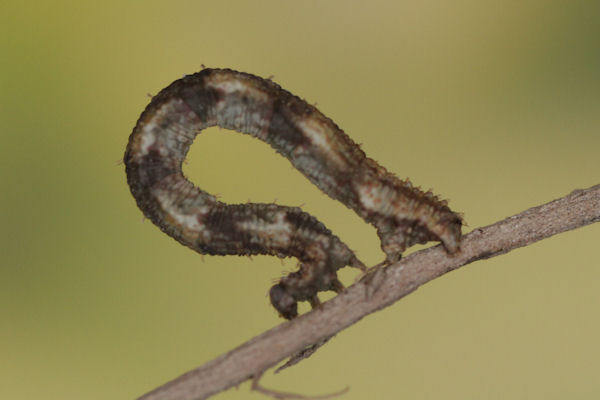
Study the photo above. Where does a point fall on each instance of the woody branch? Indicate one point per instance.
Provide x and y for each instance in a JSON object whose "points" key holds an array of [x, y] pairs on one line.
{"points": [[580, 208]]}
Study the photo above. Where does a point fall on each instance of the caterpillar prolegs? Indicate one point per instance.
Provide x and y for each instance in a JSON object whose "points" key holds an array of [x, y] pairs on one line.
{"points": [[402, 214]]}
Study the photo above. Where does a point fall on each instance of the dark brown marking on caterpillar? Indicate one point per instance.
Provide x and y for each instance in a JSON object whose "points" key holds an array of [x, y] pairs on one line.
{"points": [[403, 215]]}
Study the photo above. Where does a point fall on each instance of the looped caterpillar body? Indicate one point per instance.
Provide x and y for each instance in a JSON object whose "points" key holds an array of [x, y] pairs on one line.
{"points": [[402, 214]]}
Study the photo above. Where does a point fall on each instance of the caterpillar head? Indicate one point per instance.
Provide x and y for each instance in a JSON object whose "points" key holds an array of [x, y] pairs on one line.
{"points": [[283, 301]]}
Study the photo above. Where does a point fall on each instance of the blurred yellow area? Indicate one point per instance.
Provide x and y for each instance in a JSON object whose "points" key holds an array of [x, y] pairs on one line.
{"points": [[495, 105]]}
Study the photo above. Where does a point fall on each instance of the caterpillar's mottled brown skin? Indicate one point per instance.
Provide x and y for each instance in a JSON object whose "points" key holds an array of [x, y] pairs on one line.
{"points": [[403, 215]]}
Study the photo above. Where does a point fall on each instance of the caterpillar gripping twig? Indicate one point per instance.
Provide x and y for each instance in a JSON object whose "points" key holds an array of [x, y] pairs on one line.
{"points": [[403, 215]]}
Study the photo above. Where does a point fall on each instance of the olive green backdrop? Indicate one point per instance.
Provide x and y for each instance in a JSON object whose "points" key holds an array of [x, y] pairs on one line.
{"points": [[493, 104]]}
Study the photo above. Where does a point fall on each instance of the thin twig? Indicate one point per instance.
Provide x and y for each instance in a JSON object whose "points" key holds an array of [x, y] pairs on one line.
{"points": [[581, 207], [256, 386], [303, 354]]}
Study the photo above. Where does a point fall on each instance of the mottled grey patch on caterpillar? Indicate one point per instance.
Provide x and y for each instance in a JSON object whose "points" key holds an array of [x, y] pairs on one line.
{"points": [[403, 215]]}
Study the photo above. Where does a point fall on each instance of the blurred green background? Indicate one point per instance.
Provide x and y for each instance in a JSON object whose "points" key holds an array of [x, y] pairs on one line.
{"points": [[493, 104]]}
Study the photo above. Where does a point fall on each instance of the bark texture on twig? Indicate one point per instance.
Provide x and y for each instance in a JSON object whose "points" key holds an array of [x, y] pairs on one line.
{"points": [[581, 207]]}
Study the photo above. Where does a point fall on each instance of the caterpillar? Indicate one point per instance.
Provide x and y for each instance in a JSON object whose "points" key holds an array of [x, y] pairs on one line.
{"points": [[402, 214]]}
